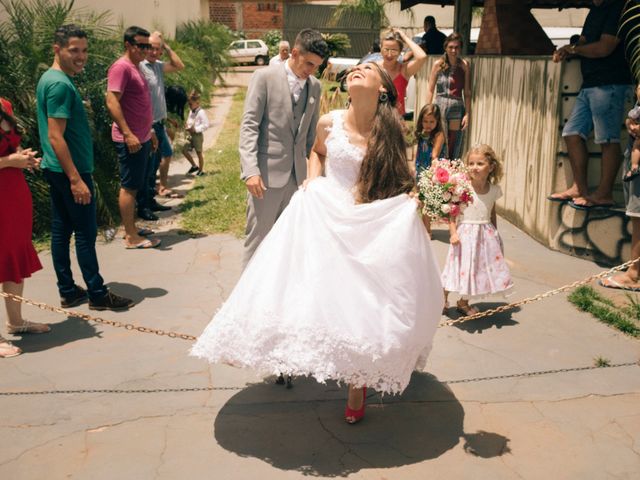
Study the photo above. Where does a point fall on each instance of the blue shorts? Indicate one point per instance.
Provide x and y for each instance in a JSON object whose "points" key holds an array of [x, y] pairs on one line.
{"points": [[164, 144], [133, 166], [600, 109]]}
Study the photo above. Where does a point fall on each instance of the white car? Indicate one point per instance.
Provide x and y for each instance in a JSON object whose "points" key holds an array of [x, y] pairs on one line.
{"points": [[249, 51]]}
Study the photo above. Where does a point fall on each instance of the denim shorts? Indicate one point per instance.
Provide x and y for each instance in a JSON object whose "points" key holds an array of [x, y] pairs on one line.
{"points": [[600, 109], [164, 144], [133, 166]]}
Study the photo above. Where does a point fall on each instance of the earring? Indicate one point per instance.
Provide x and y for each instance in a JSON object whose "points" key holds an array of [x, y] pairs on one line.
{"points": [[383, 97]]}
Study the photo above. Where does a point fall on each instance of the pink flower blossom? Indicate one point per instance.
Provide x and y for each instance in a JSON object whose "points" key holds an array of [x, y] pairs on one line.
{"points": [[455, 211], [442, 175]]}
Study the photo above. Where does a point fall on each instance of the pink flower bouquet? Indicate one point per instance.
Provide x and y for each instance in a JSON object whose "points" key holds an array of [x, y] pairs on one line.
{"points": [[445, 190]]}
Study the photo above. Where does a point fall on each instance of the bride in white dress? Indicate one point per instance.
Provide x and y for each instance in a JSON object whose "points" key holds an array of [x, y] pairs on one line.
{"points": [[345, 286]]}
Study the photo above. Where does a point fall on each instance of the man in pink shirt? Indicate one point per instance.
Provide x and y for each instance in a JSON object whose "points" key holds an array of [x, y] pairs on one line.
{"points": [[129, 104]]}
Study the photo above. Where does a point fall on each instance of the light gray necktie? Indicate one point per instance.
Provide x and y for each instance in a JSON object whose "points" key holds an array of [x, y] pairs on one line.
{"points": [[295, 91]]}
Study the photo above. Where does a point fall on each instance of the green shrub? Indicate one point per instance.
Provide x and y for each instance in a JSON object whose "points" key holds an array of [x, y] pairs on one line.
{"points": [[212, 39], [197, 73], [272, 38]]}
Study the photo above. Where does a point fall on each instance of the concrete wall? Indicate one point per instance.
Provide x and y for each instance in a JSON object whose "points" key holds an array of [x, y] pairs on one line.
{"points": [[162, 15]]}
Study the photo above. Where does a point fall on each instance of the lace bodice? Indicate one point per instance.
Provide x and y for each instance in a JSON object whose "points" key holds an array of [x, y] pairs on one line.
{"points": [[343, 161]]}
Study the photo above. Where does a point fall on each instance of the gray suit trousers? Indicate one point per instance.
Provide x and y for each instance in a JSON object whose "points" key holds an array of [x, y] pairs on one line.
{"points": [[262, 215]]}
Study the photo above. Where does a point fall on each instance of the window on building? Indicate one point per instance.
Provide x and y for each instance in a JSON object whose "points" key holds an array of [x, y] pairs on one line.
{"points": [[267, 7]]}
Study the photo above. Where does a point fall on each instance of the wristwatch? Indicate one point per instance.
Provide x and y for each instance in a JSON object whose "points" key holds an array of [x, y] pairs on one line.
{"points": [[572, 50]]}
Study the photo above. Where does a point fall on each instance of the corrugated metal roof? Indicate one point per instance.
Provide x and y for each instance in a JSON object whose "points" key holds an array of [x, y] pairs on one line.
{"points": [[359, 28]]}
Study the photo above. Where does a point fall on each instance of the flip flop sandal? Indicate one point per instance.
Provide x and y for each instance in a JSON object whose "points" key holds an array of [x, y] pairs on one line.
{"points": [[8, 349], [148, 243], [551, 198], [609, 282], [591, 206], [172, 194], [143, 232], [28, 327]]}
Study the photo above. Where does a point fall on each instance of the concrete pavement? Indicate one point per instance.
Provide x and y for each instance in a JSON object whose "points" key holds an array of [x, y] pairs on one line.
{"points": [[565, 425]]}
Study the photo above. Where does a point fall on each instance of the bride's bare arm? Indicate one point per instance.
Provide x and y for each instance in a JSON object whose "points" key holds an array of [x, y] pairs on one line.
{"points": [[315, 164]]}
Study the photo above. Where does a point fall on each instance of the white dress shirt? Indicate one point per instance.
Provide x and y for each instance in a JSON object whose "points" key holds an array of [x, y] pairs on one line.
{"points": [[296, 84]]}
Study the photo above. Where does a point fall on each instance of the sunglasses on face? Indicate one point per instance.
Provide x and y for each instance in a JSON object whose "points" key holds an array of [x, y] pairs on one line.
{"points": [[141, 46]]}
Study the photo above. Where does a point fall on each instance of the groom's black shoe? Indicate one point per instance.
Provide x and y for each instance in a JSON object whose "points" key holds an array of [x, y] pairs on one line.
{"points": [[281, 381]]}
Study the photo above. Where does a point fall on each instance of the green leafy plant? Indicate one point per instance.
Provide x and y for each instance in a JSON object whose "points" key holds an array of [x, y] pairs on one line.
{"points": [[197, 73], [272, 38], [629, 32], [26, 38], [587, 299], [212, 39], [601, 362], [338, 43], [371, 9]]}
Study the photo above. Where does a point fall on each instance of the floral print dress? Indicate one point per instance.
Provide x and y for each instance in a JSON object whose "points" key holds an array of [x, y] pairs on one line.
{"points": [[476, 266]]}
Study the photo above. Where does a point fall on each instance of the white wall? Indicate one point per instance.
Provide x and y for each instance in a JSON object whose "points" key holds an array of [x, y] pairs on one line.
{"points": [[163, 15]]}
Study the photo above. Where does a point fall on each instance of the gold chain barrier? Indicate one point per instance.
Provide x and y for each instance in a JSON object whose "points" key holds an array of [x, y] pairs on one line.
{"points": [[186, 336], [89, 318], [540, 296]]}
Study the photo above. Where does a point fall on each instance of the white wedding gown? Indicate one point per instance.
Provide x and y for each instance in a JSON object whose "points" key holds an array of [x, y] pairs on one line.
{"points": [[336, 290]]}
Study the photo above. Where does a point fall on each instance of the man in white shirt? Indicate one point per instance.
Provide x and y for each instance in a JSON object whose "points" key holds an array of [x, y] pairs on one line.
{"points": [[283, 53]]}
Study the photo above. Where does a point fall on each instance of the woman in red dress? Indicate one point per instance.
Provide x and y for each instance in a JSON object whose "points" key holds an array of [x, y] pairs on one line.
{"points": [[18, 258], [400, 72]]}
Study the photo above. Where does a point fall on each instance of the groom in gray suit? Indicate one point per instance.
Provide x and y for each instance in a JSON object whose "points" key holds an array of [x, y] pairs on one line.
{"points": [[277, 132]]}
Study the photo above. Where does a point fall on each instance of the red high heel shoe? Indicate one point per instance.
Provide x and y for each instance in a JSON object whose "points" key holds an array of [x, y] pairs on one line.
{"points": [[354, 416]]}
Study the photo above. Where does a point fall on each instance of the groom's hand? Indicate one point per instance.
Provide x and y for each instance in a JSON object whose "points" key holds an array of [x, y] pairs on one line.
{"points": [[256, 186]]}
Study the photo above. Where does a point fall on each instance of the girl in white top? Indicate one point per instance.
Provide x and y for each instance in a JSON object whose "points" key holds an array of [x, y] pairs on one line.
{"points": [[475, 264]]}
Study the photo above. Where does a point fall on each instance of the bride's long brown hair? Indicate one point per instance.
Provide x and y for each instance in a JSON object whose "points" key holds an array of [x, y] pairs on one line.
{"points": [[385, 170]]}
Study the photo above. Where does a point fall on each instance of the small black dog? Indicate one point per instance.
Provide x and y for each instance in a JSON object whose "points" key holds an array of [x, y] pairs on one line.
{"points": [[176, 98]]}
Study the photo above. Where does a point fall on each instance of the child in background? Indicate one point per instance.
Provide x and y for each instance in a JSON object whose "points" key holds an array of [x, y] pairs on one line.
{"points": [[475, 263], [430, 137], [197, 122], [634, 169], [430, 144]]}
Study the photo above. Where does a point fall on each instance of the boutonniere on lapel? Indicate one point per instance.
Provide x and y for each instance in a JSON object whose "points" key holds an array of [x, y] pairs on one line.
{"points": [[312, 100]]}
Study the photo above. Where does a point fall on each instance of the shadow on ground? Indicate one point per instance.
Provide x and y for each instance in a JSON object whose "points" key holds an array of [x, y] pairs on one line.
{"points": [[134, 292], [303, 429], [497, 320], [68, 331]]}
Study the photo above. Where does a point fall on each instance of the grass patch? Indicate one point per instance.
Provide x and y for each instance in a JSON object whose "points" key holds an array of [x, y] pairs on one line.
{"points": [[601, 362], [217, 202], [625, 318]]}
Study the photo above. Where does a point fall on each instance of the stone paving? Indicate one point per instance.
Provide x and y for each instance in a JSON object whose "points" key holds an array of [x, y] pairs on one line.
{"points": [[577, 424]]}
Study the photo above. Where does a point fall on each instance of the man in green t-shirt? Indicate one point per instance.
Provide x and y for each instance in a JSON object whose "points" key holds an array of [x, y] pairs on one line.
{"points": [[67, 151]]}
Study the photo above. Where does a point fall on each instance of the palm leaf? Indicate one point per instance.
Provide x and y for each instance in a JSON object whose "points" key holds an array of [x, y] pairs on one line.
{"points": [[629, 32]]}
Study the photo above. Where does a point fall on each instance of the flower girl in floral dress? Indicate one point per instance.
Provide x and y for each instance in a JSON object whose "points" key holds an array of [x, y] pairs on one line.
{"points": [[475, 265]]}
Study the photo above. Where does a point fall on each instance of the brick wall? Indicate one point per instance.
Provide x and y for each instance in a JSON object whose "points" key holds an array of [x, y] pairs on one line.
{"points": [[260, 17], [225, 13], [509, 28], [254, 18]]}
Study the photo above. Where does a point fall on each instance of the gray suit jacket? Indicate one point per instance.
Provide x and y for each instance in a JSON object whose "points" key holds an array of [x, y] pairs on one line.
{"points": [[269, 144]]}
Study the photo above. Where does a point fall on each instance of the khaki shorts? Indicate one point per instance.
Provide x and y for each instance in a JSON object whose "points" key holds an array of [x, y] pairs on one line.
{"points": [[195, 142]]}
